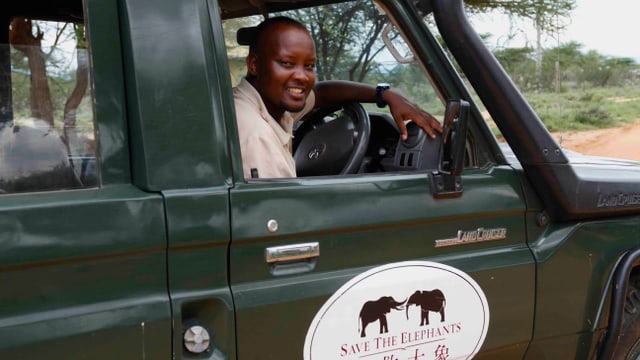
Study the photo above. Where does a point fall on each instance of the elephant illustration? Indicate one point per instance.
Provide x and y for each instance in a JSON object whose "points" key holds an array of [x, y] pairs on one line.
{"points": [[376, 310], [428, 301]]}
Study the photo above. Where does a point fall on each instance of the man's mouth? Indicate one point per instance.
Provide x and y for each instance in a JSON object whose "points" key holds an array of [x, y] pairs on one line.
{"points": [[295, 91]]}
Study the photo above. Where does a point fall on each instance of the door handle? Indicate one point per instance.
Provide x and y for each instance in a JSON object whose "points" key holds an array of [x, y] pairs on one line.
{"points": [[292, 252]]}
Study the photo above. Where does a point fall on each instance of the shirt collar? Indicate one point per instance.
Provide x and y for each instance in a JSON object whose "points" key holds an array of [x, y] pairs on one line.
{"points": [[282, 128]]}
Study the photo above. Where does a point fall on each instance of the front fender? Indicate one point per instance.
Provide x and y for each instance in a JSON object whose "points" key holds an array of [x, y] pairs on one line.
{"points": [[576, 263]]}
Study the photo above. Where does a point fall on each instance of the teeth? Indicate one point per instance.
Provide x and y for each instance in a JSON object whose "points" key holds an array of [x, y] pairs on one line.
{"points": [[295, 91]]}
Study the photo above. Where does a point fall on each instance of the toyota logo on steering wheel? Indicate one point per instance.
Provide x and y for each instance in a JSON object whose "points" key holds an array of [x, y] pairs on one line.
{"points": [[316, 151]]}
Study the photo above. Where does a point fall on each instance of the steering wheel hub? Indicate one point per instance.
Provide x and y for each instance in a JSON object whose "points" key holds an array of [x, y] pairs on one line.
{"points": [[332, 141]]}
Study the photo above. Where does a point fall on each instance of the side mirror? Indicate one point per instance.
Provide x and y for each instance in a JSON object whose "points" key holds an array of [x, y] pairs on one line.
{"points": [[446, 181], [454, 137]]}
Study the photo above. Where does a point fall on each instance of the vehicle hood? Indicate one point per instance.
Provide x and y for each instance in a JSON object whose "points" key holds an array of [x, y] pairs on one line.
{"points": [[576, 158]]}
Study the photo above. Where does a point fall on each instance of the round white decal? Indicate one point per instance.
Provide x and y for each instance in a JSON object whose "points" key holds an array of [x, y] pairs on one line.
{"points": [[409, 310]]}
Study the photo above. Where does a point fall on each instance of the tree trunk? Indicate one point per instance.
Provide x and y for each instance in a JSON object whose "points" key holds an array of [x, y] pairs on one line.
{"points": [[23, 40], [74, 100], [539, 54]]}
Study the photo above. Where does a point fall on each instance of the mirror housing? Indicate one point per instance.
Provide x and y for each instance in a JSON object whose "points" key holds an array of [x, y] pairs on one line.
{"points": [[454, 137], [446, 181]]}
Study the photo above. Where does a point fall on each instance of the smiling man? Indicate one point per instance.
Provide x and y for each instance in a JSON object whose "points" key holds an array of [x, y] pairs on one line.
{"points": [[280, 88]]}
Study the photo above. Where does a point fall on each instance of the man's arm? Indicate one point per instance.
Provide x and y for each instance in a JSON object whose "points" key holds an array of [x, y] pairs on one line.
{"points": [[335, 92]]}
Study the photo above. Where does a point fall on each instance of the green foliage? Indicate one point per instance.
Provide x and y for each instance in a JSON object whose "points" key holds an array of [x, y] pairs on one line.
{"points": [[520, 64], [597, 107], [568, 65], [543, 13], [347, 37], [595, 116]]}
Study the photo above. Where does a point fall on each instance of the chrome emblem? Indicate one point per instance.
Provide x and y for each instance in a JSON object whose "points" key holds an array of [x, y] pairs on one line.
{"points": [[474, 236], [316, 151]]}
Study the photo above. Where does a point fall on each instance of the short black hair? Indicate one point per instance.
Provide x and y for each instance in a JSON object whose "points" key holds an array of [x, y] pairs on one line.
{"points": [[261, 29]]}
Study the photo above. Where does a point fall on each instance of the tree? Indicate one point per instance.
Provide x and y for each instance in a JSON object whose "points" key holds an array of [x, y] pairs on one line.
{"points": [[347, 38], [590, 69], [51, 74], [544, 13], [23, 39], [519, 64], [566, 56], [546, 16], [80, 88]]}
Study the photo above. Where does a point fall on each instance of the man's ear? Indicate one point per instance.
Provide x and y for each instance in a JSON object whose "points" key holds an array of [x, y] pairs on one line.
{"points": [[252, 64]]}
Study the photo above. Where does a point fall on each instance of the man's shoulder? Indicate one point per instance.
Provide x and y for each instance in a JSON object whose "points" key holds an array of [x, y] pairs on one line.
{"points": [[244, 90]]}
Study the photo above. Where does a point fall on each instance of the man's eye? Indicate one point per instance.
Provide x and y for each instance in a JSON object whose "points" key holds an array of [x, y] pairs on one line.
{"points": [[286, 64], [310, 67]]}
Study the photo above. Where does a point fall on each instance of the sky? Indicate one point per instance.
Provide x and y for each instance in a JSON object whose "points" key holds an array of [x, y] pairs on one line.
{"points": [[607, 26]]}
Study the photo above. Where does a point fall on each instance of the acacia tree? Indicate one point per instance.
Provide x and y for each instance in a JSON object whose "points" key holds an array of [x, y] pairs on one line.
{"points": [[543, 13], [347, 38], [26, 36], [547, 16]]}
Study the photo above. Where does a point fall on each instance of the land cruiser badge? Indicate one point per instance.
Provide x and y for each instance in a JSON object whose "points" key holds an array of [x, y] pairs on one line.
{"points": [[409, 310], [474, 236]]}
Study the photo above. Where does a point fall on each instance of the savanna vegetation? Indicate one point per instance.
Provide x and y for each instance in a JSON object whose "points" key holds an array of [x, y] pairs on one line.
{"points": [[577, 89]]}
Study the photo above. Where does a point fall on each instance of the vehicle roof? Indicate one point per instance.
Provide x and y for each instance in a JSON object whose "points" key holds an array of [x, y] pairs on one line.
{"points": [[238, 8]]}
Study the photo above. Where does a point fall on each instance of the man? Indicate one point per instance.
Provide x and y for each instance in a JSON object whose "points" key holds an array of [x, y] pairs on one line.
{"points": [[280, 88]]}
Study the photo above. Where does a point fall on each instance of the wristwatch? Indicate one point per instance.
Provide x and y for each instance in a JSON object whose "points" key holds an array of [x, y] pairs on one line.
{"points": [[380, 88]]}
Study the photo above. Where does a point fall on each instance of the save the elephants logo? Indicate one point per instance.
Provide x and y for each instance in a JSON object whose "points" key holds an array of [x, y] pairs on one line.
{"points": [[377, 310], [400, 319]]}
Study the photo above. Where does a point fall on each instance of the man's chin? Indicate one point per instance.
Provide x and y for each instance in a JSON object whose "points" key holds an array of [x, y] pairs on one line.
{"points": [[296, 107]]}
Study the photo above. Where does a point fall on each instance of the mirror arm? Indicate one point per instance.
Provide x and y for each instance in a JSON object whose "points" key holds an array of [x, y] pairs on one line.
{"points": [[445, 185], [446, 181]]}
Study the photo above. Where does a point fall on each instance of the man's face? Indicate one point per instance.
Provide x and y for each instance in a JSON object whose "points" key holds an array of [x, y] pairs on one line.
{"points": [[283, 68]]}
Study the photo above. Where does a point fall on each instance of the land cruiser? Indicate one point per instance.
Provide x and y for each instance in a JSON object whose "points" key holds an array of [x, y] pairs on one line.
{"points": [[128, 231]]}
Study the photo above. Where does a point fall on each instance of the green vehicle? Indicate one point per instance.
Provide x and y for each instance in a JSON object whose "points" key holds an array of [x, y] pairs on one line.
{"points": [[128, 231]]}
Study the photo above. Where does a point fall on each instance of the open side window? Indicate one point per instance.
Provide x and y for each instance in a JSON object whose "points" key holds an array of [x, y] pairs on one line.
{"points": [[362, 42]]}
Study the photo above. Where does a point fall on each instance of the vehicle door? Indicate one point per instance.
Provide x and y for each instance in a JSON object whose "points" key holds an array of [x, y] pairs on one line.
{"points": [[297, 242], [82, 250], [177, 101]]}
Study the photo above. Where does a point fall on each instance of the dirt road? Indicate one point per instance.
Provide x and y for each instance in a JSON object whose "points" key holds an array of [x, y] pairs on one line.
{"points": [[621, 143]]}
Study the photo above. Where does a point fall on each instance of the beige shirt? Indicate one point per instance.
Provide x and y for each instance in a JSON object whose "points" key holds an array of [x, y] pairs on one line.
{"points": [[264, 142]]}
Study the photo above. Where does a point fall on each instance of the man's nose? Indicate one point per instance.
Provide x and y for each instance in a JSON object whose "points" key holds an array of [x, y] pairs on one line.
{"points": [[300, 73]]}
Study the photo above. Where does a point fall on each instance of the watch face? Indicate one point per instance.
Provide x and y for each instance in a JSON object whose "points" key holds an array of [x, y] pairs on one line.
{"points": [[379, 90]]}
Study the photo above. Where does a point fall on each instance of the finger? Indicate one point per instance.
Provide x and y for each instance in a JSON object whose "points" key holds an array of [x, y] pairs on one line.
{"points": [[403, 130], [433, 122], [429, 131], [428, 127], [436, 125]]}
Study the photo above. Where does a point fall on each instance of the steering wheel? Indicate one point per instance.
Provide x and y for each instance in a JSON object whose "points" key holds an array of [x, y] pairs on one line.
{"points": [[332, 140]]}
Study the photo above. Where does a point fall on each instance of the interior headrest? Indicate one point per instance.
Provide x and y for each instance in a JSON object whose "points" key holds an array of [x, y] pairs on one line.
{"points": [[245, 35]]}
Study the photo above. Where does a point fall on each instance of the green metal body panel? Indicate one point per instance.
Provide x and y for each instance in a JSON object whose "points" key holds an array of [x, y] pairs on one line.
{"points": [[176, 110], [110, 105], [575, 264], [179, 123], [198, 223], [368, 221], [83, 275]]}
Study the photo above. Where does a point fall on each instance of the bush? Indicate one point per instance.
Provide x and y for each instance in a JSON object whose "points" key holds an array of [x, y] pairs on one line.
{"points": [[594, 116]]}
